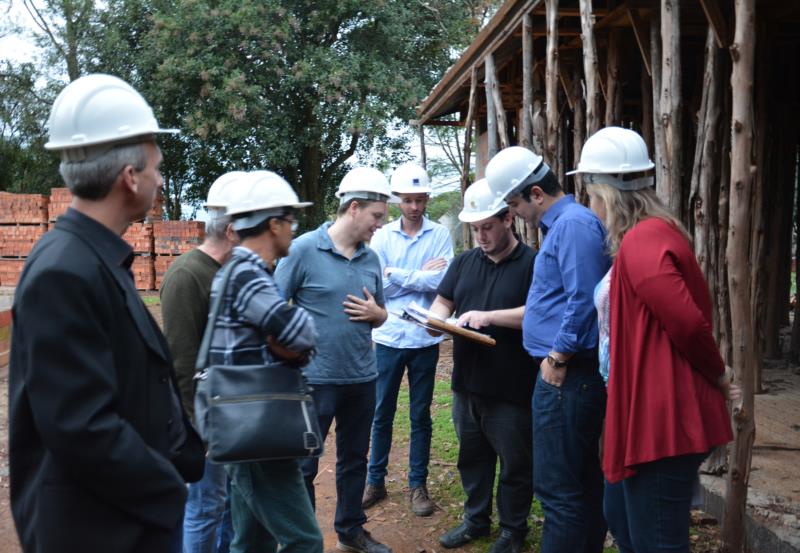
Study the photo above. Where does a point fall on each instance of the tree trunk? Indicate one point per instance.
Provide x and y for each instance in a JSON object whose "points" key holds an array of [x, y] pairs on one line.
{"points": [[590, 68], [526, 134], [551, 85], [671, 107], [738, 251], [613, 92], [465, 173], [491, 116]]}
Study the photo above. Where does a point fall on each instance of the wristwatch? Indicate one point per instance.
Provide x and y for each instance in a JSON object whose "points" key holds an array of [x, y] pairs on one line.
{"points": [[555, 363]]}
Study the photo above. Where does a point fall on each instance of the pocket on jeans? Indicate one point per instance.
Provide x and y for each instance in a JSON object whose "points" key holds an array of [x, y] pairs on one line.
{"points": [[547, 406]]}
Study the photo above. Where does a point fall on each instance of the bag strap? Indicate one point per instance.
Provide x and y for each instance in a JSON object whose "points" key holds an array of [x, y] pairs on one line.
{"points": [[205, 345]]}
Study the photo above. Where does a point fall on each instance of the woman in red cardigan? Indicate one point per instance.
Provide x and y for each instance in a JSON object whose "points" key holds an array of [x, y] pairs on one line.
{"points": [[666, 388]]}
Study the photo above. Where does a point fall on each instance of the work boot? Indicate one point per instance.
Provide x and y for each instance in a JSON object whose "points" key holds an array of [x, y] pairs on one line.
{"points": [[508, 542], [362, 543], [373, 495], [462, 535], [421, 504]]}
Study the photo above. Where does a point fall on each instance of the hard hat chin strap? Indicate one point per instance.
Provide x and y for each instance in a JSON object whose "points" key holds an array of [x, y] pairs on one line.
{"points": [[618, 183]]}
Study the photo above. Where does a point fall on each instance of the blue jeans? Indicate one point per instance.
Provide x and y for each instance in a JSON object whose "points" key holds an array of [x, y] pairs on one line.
{"points": [[567, 423], [649, 511], [488, 429], [392, 362], [207, 518], [353, 406], [270, 507]]}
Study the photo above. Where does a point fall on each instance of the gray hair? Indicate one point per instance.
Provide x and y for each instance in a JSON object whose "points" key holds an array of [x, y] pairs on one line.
{"points": [[217, 225], [93, 178]]}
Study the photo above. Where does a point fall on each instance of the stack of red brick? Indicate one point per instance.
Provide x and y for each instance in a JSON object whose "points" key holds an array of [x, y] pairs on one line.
{"points": [[171, 239], [24, 219]]}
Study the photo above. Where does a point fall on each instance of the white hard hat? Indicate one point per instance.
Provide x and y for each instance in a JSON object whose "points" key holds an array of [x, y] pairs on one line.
{"points": [[615, 151], [98, 109], [512, 169], [480, 203], [410, 178], [220, 191], [365, 183], [262, 194]]}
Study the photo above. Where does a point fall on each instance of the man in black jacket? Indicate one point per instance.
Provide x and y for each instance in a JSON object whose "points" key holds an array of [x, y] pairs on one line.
{"points": [[99, 446]]}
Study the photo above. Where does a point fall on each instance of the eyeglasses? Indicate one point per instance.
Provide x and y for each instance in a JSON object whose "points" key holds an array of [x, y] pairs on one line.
{"points": [[294, 224]]}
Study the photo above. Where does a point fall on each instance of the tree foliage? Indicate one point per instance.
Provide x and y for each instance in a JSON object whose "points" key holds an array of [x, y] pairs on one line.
{"points": [[295, 86]]}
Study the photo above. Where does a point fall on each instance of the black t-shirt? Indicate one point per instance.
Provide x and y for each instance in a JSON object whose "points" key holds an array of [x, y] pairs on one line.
{"points": [[475, 282]]}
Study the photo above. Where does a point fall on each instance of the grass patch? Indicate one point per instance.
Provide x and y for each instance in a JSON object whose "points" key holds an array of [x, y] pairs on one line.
{"points": [[151, 300]]}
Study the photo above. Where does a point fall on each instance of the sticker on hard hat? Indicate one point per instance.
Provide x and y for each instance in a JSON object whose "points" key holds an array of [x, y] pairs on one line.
{"points": [[416, 182]]}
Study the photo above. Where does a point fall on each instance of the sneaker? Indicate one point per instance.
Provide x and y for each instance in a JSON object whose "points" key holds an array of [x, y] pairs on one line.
{"points": [[507, 542], [373, 495], [462, 535], [362, 543]]}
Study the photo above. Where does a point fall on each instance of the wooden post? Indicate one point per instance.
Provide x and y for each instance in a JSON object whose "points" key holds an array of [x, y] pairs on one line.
{"points": [[613, 92], [744, 342], [724, 330], [551, 85], [497, 98], [526, 134], [590, 68], [671, 106], [578, 136], [658, 129], [491, 116], [423, 158], [465, 180], [646, 85]]}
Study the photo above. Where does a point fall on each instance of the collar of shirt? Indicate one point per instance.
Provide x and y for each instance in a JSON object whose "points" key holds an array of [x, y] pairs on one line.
{"points": [[397, 226], [111, 247], [324, 242], [552, 214], [249, 255], [515, 254]]}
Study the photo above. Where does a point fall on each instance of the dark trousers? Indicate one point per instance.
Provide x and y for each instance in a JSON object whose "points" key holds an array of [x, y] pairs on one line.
{"points": [[649, 511], [567, 423], [488, 429], [353, 406], [392, 363]]}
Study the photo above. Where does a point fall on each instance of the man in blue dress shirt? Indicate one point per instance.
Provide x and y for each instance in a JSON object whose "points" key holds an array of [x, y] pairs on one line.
{"points": [[560, 333], [414, 253]]}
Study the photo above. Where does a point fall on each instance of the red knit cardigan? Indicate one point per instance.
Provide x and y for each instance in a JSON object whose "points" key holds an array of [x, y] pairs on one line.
{"points": [[663, 399]]}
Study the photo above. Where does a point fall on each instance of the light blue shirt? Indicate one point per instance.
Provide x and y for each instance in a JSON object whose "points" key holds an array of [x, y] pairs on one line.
{"points": [[407, 281], [559, 312], [318, 278]]}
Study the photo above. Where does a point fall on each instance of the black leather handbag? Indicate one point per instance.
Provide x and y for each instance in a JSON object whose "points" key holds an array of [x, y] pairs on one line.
{"points": [[252, 412]]}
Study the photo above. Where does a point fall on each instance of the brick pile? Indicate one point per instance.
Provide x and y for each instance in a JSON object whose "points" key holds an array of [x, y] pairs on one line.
{"points": [[143, 269], [171, 239], [23, 209], [18, 240], [10, 270], [60, 198], [140, 237]]}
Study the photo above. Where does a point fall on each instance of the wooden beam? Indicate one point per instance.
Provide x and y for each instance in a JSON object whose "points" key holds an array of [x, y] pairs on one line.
{"points": [[497, 98], [473, 100], [569, 12], [590, 68], [566, 83], [423, 157], [671, 107], [642, 35], [491, 107], [613, 86], [439, 123], [526, 136], [717, 21], [551, 84]]}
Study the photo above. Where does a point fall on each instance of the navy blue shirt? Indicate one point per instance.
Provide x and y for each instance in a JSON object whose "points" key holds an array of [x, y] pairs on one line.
{"points": [[559, 312]]}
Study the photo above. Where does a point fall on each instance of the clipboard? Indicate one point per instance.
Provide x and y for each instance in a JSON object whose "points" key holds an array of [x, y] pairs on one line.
{"points": [[415, 314]]}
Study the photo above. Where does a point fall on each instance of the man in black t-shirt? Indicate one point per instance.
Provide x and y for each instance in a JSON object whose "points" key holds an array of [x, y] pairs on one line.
{"points": [[492, 386]]}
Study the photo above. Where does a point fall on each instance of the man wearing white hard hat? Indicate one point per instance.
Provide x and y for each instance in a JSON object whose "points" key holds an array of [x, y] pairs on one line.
{"points": [[560, 332], [256, 326], [100, 447], [486, 287], [414, 252], [332, 273], [184, 294]]}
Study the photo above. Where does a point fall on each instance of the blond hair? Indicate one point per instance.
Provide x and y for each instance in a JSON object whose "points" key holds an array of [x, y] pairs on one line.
{"points": [[626, 208]]}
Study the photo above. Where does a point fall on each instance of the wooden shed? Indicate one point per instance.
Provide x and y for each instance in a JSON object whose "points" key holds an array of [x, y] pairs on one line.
{"points": [[714, 87]]}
